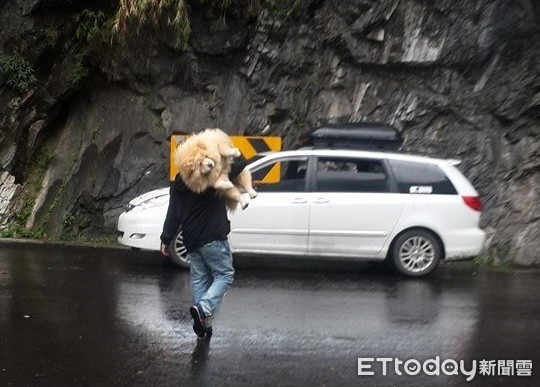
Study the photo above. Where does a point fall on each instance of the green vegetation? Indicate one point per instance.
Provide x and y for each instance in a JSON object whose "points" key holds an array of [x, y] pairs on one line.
{"points": [[68, 219], [51, 35], [17, 72], [91, 26], [142, 12], [17, 225], [79, 71], [139, 13], [67, 233], [94, 28], [482, 262], [102, 239], [92, 32]]}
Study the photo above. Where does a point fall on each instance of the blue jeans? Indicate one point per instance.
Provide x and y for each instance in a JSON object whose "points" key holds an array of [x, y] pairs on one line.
{"points": [[212, 274]]}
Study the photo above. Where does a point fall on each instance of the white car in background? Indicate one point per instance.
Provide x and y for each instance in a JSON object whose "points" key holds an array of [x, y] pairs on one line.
{"points": [[340, 204]]}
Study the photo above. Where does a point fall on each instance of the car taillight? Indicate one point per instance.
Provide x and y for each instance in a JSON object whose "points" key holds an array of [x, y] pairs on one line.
{"points": [[473, 202]]}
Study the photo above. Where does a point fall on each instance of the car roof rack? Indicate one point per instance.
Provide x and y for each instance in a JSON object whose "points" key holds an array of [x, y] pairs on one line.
{"points": [[358, 135]]}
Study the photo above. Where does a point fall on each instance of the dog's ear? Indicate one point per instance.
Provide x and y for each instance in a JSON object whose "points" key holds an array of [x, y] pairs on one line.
{"points": [[190, 168], [201, 145]]}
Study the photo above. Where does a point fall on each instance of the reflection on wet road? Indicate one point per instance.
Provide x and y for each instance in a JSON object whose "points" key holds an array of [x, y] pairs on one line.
{"points": [[74, 316]]}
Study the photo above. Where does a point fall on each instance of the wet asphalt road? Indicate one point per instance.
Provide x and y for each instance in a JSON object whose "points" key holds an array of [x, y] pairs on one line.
{"points": [[86, 317]]}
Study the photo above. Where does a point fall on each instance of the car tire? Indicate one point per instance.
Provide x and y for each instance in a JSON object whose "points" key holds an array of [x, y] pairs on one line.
{"points": [[416, 253], [178, 252]]}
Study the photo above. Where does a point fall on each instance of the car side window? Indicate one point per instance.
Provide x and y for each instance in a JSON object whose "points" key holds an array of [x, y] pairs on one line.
{"points": [[284, 175], [421, 178], [351, 175]]}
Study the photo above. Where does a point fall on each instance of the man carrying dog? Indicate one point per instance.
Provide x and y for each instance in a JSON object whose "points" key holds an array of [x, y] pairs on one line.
{"points": [[205, 227]]}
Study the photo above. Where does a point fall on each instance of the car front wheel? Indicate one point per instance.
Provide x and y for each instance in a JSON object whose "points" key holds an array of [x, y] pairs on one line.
{"points": [[177, 251], [416, 253]]}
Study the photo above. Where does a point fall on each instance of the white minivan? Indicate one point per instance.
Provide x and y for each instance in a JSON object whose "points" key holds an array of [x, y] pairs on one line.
{"points": [[340, 204]]}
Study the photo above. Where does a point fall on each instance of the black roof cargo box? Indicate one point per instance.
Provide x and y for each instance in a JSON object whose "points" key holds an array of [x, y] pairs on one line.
{"points": [[361, 135]]}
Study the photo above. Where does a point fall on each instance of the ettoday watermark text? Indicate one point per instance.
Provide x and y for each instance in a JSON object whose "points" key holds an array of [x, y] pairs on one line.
{"points": [[437, 367]]}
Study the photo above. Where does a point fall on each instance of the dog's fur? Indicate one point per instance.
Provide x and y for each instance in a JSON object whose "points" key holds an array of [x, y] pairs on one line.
{"points": [[204, 160]]}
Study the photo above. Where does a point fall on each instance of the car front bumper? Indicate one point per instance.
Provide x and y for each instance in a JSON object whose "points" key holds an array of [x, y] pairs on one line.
{"points": [[136, 231]]}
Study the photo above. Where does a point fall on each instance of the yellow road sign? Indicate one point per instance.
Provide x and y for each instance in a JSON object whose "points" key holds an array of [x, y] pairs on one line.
{"points": [[249, 146]]}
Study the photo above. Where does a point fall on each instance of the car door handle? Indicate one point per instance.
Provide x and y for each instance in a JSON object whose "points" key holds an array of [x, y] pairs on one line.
{"points": [[321, 201], [299, 201]]}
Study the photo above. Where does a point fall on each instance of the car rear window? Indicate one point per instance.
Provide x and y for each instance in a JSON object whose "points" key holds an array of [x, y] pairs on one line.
{"points": [[421, 178]]}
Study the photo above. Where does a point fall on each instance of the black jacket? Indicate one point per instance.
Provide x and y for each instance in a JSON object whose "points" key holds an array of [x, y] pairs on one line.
{"points": [[203, 216]]}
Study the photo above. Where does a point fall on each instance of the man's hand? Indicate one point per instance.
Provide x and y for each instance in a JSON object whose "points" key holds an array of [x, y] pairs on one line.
{"points": [[165, 250]]}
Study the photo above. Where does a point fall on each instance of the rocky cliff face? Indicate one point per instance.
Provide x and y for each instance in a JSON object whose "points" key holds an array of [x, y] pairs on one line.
{"points": [[458, 78]]}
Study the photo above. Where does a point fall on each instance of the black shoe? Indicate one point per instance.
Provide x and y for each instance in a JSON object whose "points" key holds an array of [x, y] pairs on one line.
{"points": [[198, 316]]}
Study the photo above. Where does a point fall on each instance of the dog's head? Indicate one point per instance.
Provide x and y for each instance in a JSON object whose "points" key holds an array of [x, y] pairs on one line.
{"points": [[198, 163], [204, 159]]}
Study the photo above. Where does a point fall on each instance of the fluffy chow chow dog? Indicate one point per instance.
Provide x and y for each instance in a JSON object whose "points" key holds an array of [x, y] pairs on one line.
{"points": [[204, 160]]}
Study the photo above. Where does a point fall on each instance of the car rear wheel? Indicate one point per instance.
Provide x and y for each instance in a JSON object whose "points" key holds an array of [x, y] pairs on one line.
{"points": [[416, 253], [178, 252]]}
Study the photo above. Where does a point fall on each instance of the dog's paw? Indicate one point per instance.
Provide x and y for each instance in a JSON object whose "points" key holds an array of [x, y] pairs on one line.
{"points": [[244, 201], [252, 193], [223, 185], [234, 152]]}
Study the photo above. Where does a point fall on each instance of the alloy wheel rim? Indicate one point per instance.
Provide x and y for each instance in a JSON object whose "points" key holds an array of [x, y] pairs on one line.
{"points": [[180, 249], [417, 254]]}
